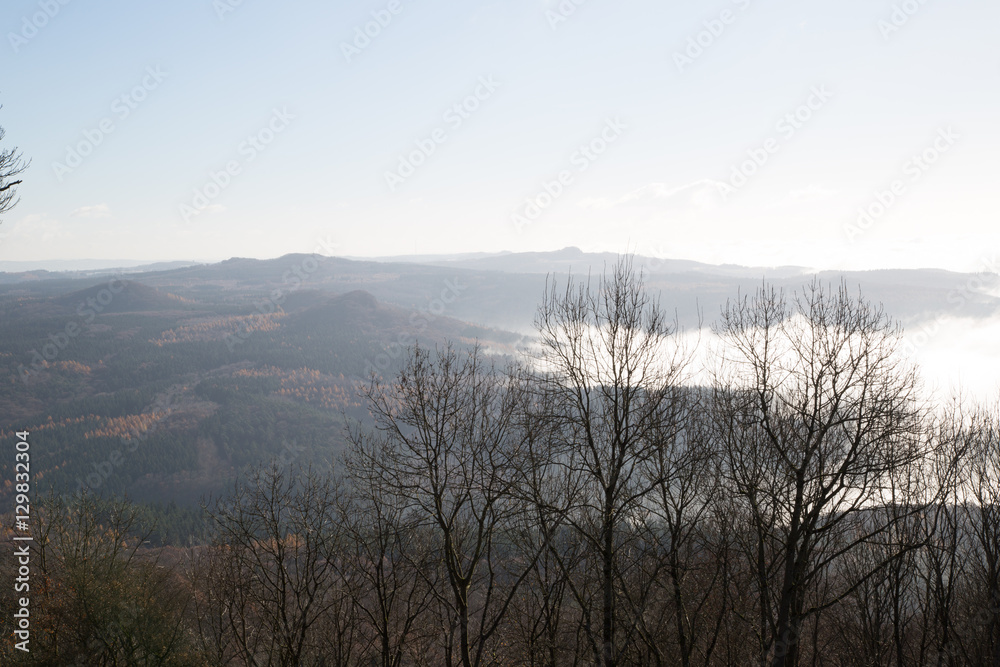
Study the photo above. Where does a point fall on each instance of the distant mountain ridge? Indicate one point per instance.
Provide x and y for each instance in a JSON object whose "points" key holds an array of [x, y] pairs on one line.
{"points": [[501, 290], [251, 355], [121, 296], [89, 265], [572, 258]]}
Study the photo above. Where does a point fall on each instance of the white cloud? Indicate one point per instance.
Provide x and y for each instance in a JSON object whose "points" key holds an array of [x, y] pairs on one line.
{"points": [[809, 193], [29, 231], [702, 194], [96, 211]]}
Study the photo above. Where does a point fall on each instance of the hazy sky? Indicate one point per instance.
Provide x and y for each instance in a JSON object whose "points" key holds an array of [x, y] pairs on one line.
{"points": [[747, 131]]}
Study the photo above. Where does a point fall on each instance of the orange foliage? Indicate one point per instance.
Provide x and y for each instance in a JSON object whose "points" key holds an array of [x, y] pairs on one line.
{"points": [[311, 386], [73, 366], [128, 426], [217, 328]]}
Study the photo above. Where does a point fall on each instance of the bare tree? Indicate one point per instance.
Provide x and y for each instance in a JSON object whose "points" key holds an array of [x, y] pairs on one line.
{"points": [[607, 368], [12, 164], [686, 581], [446, 447], [980, 500], [394, 560], [943, 562], [104, 599], [544, 626], [818, 416], [877, 622], [276, 589]]}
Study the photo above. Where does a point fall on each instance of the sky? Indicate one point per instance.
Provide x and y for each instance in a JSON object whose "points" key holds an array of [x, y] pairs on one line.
{"points": [[836, 135]]}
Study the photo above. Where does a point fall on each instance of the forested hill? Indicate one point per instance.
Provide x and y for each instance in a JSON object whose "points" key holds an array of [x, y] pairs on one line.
{"points": [[164, 383], [166, 391], [502, 290]]}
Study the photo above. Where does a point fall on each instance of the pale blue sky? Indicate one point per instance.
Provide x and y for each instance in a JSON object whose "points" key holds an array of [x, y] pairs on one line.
{"points": [[655, 190]]}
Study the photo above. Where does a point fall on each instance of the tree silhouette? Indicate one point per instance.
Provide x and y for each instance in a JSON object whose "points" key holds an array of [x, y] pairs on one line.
{"points": [[12, 163]]}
